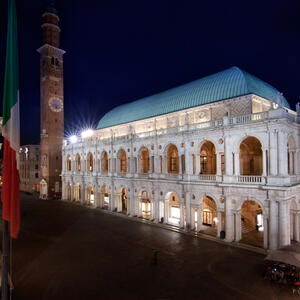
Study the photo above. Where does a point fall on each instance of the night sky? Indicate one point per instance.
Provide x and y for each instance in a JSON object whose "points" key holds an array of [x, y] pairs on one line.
{"points": [[119, 51]]}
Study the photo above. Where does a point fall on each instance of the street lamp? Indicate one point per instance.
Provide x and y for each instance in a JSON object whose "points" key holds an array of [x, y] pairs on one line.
{"points": [[73, 139], [87, 133]]}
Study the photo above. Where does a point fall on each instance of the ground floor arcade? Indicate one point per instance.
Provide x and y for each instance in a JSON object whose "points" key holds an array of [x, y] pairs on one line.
{"points": [[234, 216]]}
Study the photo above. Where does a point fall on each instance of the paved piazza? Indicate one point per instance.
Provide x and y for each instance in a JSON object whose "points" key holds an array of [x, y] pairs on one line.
{"points": [[67, 251]]}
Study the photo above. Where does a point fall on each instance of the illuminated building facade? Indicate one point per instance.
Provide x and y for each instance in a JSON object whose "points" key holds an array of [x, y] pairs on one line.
{"points": [[219, 155]]}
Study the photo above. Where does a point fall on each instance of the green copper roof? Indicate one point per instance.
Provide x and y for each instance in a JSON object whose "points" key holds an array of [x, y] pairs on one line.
{"points": [[226, 84]]}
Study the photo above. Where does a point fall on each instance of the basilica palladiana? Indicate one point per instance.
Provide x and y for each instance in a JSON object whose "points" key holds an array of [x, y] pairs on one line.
{"points": [[219, 155]]}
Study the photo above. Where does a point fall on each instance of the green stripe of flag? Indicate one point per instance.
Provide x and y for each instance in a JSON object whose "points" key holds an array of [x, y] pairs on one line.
{"points": [[11, 81]]}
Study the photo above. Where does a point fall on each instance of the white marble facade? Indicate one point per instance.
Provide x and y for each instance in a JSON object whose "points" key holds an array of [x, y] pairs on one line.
{"points": [[108, 169]]}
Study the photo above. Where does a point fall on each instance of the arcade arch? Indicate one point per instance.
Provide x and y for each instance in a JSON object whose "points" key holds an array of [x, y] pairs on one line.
{"points": [[208, 158], [144, 160], [69, 163], [172, 159], [145, 205], [122, 161], [78, 162], [104, 162], [90, 162], [251, 157], [123, 201], [90, 196], [173, 212], [105, 197], [251, 224], [68, 193]]}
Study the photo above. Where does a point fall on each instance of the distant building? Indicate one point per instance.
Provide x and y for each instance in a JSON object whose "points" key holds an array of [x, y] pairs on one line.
{"points": [[220, 155], [29, 168]]}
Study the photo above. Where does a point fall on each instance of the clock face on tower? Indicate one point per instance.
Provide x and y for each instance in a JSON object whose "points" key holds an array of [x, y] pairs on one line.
{"points": [[56, 104]]}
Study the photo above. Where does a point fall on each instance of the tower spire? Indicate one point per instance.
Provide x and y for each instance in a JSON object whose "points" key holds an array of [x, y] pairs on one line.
{"points": [[50, 7], [50, 26]]}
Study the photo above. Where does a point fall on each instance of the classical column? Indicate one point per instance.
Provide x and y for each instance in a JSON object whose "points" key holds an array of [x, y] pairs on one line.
{"points": [[297, 162], [192, 218], [288, 214], [229, 221], [198, 164], [266, 231], [219, 224], [264, 163], [179, 164], [237, 164], [181, 215], [291, 162], [112, 199], [200, 218], [282, 153], [118, 202], [72, 191], [96, 196], [132, 202], [238, 226], [188, 209], [273, 228], [296, 227], [166, 214], [83, 191], [156, 164], [228, 159], [156, 206], [292, 222], [188, 162], [219, 162], [63, 191], [283, 224], [273, 161]]}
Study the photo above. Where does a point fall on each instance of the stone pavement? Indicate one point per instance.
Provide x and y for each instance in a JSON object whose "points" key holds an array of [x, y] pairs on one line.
{"points": [[66, 251]]}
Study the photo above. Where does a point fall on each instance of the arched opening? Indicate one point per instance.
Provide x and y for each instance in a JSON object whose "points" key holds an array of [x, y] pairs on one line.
{"points": [[173, 160], [104, 163], [123, 201], [77, 192], [251, 157], [90, 162], [208, 220], [208, 158], [68, 192], [122, 161], [173, 209], [252, 226], [144, 160], [69, 163], [291, 155], [43, 189], [90, 196], [78, 163], [105, 197], [145, 205]]}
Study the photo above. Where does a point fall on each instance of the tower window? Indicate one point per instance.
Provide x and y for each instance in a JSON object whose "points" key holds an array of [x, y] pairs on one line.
{"points": [[52, 60]]}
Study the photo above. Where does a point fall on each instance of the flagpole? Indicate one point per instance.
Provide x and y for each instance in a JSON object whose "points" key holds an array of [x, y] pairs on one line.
{"points": [[5, 257]]}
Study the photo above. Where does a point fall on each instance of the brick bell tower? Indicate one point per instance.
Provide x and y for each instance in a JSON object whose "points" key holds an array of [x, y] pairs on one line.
{"points": [[51, 105]]}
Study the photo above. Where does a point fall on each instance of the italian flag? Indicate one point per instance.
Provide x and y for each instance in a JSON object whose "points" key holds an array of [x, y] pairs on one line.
{"points": [[11, 128]]}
